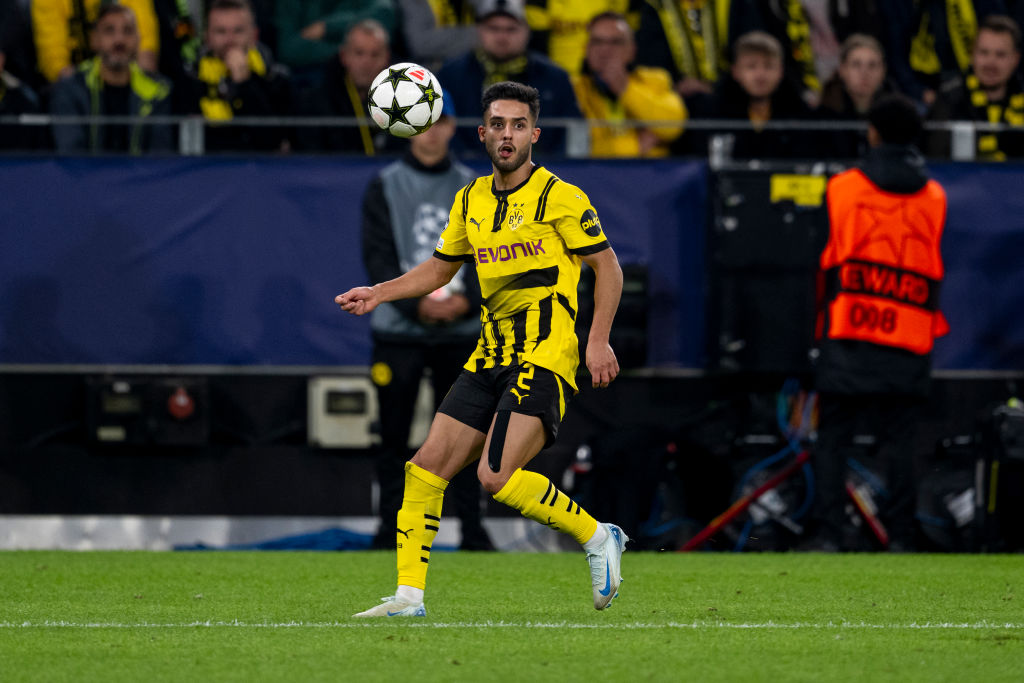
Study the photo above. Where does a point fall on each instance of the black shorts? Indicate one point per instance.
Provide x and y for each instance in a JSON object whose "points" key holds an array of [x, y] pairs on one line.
{"points": [[527, 389]]}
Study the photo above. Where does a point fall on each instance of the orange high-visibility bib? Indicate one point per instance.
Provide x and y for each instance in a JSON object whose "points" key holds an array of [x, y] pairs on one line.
{"points": [[883, 253]]}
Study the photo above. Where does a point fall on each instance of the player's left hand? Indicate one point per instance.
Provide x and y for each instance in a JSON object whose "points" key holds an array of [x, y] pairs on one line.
{"points": [[602, 363], [358, 300]]}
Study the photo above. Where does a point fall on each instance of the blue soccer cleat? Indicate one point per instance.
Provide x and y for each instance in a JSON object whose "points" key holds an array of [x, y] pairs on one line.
{"points": [[606, 566], [393, 606]]}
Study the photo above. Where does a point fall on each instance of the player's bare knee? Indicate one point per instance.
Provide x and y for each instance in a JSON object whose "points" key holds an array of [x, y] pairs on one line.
{"points": [[429, 457], [491, 482]]}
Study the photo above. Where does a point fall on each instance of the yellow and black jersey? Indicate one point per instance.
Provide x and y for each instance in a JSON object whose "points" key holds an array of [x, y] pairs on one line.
{"points": [[527, 243]]}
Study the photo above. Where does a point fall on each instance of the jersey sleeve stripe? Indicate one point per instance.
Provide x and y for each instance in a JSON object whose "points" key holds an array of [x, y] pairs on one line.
{"points": [[542, 202], [452, 258], [591, 248], [465, 199]]}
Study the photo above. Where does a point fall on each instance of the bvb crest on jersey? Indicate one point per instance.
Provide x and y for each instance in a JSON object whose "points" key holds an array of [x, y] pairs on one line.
{"points": [[515, 217]]}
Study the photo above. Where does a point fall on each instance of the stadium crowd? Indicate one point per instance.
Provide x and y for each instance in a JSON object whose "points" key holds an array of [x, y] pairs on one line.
{"points": [[633, 68]]}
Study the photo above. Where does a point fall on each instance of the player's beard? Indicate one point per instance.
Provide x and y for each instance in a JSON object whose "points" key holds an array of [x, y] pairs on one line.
{"points": [[517, 159]]}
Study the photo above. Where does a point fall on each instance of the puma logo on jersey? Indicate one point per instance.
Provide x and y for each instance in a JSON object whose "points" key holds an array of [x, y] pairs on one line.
{"points": [[475, 222], [519, 397]]}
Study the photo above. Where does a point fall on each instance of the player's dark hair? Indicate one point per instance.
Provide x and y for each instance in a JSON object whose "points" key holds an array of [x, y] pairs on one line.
{"points": [[510, 90], [896, 119]]}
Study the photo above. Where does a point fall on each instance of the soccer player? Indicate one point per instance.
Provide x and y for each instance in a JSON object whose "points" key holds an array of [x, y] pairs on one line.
{"points": [[528, 231]]}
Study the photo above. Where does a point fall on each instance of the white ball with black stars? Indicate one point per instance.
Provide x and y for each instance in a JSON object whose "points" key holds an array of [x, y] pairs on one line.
{"points": [[405, 99]]}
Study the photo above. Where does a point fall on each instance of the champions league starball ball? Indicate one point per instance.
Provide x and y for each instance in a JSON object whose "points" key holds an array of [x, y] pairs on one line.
{"points": [[405, 99]]}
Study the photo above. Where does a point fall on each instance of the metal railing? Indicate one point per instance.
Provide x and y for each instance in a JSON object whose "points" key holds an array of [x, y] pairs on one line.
{"points": [[191, 129]]}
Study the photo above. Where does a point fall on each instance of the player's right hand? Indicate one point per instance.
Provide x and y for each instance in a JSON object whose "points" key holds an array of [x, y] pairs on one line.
{"points": [[358, 300]]}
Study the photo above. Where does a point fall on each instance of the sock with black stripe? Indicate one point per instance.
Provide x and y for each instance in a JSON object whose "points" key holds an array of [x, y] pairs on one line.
{"points": [[536, 498], [418, 521]]}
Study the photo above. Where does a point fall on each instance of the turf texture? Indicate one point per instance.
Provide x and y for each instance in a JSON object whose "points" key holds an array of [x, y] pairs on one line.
{"points": [[285, 616]]}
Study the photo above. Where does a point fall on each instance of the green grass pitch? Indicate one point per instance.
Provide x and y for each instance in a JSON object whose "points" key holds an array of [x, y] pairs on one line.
{"points": [[227, 616]]}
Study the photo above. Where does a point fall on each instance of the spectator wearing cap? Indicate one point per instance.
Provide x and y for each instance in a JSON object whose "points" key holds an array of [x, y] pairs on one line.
{"points": [[617, 94], [502, 55], [348, 75], [405, 208]]}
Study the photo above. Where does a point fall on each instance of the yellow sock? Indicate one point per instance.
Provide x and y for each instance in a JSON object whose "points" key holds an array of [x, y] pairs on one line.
{"points": [[418, 521], [537, 498]]}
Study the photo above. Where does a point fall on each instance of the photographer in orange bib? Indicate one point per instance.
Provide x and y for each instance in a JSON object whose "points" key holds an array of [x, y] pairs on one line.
{"points": [[881, 272]]}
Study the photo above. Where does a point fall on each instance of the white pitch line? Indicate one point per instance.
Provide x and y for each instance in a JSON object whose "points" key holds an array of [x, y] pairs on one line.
{"points": [[694, 625]]}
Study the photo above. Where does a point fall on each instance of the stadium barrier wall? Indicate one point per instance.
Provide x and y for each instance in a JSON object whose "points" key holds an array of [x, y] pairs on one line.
{"points": [[229, 261], [173, 265], [237, 262]]}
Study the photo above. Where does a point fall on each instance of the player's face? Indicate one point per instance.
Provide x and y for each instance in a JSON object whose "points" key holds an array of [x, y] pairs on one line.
{"points": [[364, 55], [862, 72], [116, 40], [502, 37], [508, 134], [759, 75], [610, 42], [994, 58], [230, 29]]}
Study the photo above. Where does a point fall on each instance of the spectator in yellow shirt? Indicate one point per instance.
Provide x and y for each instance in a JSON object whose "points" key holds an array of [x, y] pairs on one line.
{"points": [[61, 30], [618, 94], [558, 28]]}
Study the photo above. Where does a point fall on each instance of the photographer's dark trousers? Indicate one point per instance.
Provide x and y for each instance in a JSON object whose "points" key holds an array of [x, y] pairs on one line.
{"points": [[893, 421]]}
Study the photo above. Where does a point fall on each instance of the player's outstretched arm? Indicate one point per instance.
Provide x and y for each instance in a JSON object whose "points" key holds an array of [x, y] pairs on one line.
{"points": [[601, 361], [420, 281]]}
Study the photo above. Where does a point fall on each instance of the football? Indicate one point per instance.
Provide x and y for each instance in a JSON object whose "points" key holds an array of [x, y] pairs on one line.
{"points": [[405, 99]]}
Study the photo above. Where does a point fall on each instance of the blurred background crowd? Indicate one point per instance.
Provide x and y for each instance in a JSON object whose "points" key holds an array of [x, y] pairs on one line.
{"points": [[638, 71]]}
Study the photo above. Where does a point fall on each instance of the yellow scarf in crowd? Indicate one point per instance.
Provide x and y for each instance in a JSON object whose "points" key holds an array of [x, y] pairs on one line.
{"points": [[213, 71], [1012, 113], [447, 14], [962, 25], [697, 31]]}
